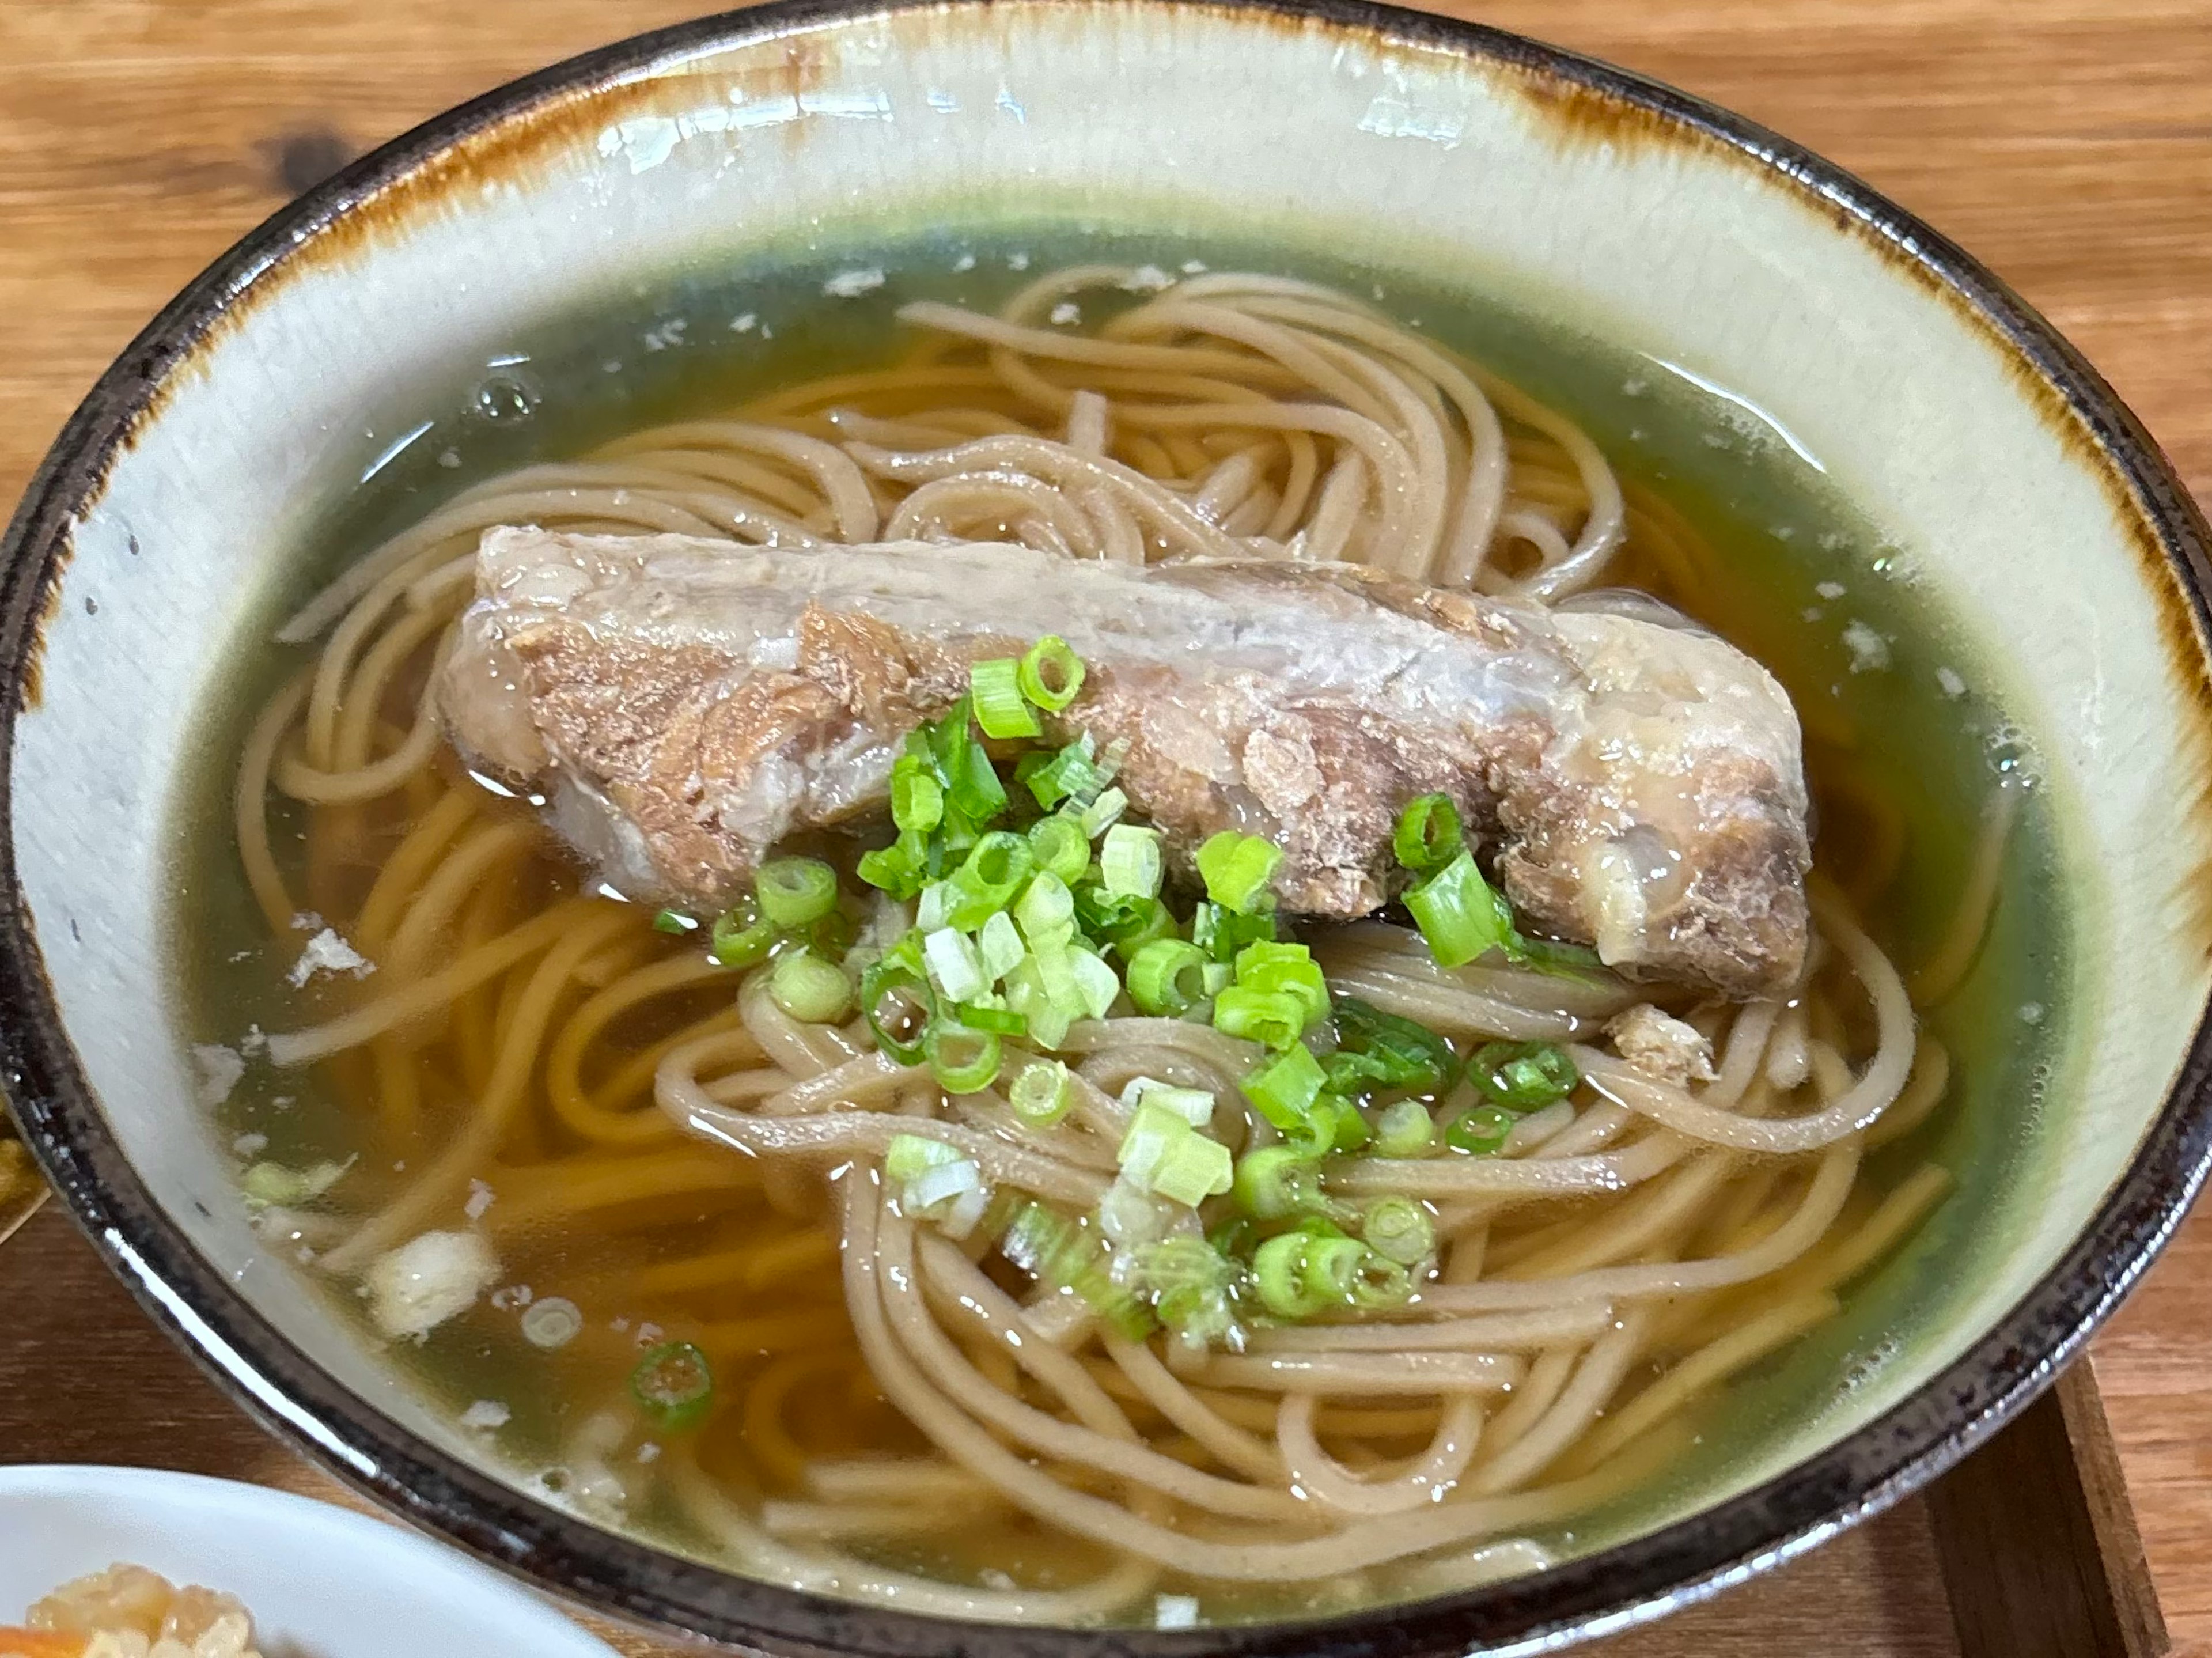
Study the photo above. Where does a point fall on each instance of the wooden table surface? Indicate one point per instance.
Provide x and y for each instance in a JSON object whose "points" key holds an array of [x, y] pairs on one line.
{"points": [[2068, 142]]}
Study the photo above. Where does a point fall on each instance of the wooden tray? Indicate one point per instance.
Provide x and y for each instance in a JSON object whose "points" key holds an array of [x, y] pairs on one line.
{"points": [[2067, 141]]}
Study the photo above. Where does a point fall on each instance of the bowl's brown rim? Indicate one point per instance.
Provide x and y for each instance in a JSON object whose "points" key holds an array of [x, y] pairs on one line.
{"points": [[1676, 1565]]}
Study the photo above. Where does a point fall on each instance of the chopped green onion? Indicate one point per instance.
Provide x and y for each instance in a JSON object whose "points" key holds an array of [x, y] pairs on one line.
{"points": [[996, 686], [1522, 1076], [900, 868], [1332, 1267], [1399, 1229], [951, 1194], [1147, 920], [936, 905], [1000, 943], [1271, 1019], [1061, 848], [956, 966], [1349, 1131], [1123, 920], [949, 845], [1215, 977], [1070, 1256], [1163, 1152], [1194, 1105], [1561, 961], [1195, 1167], [1459, 913], [1055, 967], [974, 787], [1051, 674], [1222, 932], [1166, 976], [1103, 813], [963, 1061], [1130, 861], [1383, 1050], [1026, 995], [1069, 775], [792, 891], [273, 1185], [1236, 869], [989, 879], [917, 798], [675, 921], [1000, 1021], [1428, 834], [898, 975], [1285, 969], [1046, 910], [1481, 1130], [1151, 1129], [1285, 1089], [1404, 1130], [674, 1385], [1301, 1273], [1379, 1284], [1193, 1287], [740, 937], [1277, 1181], [1041, 1093], [1278, 1271], [909, 1156], [1097, 981], [809, 988]]}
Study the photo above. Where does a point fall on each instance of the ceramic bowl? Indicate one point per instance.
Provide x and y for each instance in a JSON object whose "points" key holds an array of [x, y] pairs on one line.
{"points": [[2044, 535], [320, 1582]]}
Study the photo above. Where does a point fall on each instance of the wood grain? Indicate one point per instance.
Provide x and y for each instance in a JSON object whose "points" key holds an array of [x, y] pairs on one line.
{"points": [[2067, 143], [2040, 1554]]}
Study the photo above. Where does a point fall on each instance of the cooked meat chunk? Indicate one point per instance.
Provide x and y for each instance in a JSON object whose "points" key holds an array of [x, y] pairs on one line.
{"points": [[1663, 1047], [686, 704]]}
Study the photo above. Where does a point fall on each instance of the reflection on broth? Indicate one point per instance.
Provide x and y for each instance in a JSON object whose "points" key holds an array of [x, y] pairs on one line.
{"points": [[1057, 1142]]}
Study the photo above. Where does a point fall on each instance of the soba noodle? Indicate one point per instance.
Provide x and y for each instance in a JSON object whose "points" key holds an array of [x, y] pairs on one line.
{"points": [[547, 1067]]}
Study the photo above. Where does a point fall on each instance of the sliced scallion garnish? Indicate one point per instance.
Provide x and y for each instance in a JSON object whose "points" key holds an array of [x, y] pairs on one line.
{"points": [[1271, 1019], [998, 1021], [1041, 1093], [1459, 913], [1060, 846], [963, 1061], [809, 988], [1404, 1129], [1522, 1076], [674, 1385], [999, 708], [1166, 976], [1129, 862], [1399, 1229], [1285, 1089], [1051, 674], [1481, 1130], [741, 936], [1236, 869], [792, 891], [1428, 836]]}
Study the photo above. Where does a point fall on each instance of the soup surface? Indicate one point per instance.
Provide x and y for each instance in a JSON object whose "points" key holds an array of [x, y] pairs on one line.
{"points": [[753, 1222]]}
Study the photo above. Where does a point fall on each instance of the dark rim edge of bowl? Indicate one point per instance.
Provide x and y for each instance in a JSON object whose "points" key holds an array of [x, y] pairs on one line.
{"points": [[1681, 1562]]}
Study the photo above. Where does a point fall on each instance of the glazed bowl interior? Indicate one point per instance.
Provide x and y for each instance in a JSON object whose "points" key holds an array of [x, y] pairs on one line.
{"points": [[2023, 520]]}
